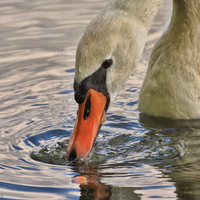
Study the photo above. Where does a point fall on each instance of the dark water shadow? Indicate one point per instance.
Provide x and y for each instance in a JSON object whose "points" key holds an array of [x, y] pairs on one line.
{"points": [[52, 146], [181, 158]]}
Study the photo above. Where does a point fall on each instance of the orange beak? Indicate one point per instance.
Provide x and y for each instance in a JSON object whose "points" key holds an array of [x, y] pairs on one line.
{"points": [[91, 115]]}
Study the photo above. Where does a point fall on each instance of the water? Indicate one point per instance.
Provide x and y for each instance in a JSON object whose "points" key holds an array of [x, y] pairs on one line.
{"points": [[136, 157]]}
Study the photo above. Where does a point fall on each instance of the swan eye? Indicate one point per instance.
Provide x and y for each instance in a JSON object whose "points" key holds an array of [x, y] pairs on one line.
{"points": [[107, 63]]}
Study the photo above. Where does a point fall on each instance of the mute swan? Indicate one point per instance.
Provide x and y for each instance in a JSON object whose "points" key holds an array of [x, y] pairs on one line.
{"points": [[110, 49], [171, 87]]}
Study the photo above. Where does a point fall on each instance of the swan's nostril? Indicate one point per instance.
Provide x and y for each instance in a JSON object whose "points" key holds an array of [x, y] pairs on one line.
{"points": [[72, 155], [87, 108]]}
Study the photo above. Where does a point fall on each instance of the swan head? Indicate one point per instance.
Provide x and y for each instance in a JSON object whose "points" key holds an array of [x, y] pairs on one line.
{"points": [[106, 55]]}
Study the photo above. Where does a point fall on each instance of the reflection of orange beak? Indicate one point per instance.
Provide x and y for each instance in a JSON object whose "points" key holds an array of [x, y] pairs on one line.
{"points": [[90, 116]]}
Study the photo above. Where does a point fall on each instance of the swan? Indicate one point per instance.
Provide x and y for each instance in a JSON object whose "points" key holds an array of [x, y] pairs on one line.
{"points": [[171, 87], [110, 49]]}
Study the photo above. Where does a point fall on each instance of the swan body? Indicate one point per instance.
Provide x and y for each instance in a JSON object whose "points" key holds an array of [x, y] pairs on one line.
{"points": [[171, 87], [111, 47]]}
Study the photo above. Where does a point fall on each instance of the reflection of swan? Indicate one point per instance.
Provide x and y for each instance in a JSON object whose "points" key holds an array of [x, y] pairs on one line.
{"points": [[169, 165], [91, 185], [112, 46], [177, 153]]}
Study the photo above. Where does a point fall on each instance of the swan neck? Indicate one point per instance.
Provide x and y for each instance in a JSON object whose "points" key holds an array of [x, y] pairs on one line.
{"points": [[186, 11]]}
